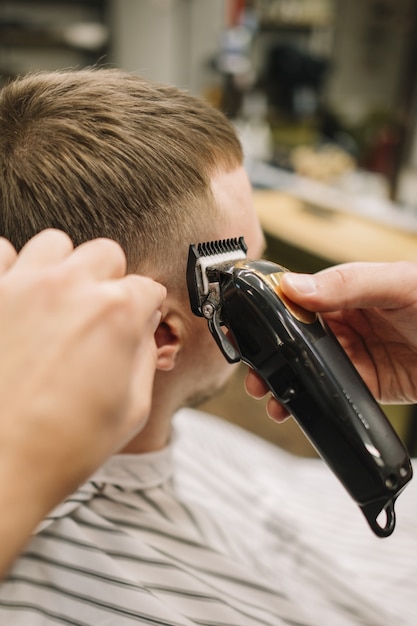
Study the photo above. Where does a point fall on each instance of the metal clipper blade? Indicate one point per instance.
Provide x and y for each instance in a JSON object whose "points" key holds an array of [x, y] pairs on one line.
{"points": [[208, 254]]}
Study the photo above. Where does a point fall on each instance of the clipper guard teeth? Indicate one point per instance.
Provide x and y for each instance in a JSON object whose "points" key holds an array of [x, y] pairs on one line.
{"points": [[221, 246]]}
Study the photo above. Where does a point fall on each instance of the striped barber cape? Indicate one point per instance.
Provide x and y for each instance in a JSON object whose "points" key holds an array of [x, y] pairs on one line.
{"points": [[218, 529]]}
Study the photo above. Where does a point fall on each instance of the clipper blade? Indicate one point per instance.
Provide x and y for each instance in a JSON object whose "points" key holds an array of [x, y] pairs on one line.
{"points": [[207, 254]]}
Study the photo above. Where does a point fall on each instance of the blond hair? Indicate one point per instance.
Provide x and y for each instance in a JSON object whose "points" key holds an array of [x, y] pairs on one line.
{"points": [[104, 153]]}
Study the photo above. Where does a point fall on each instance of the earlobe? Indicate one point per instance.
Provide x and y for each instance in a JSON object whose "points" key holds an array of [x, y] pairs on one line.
{"points": [[168, 345]]}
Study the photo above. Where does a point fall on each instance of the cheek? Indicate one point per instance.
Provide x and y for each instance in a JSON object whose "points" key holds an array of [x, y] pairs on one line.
{"points": [[207, 368], [211, 350], [218, 369], [208, 359]]}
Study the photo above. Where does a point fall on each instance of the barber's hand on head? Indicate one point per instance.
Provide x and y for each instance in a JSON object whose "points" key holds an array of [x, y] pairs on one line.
{"points": [[372, 309], [76, 344]]}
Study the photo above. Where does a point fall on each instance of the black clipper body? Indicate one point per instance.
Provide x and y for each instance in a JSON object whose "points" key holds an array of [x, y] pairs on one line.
{"points": [[305, 368]]}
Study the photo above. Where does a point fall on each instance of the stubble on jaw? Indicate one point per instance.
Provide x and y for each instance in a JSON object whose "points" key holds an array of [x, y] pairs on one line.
{"points": [[194, 400]]}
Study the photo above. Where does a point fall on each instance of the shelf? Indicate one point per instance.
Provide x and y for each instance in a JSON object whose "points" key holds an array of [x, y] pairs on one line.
{"points": [[49, 35], [21, 37], [271, 26]]}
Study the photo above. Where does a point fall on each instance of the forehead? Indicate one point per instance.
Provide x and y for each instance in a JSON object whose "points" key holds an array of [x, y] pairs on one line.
{"points": [[233, 194]]}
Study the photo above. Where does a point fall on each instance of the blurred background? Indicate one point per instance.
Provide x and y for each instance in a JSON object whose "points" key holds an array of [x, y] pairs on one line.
{"points": [[322, 92]]}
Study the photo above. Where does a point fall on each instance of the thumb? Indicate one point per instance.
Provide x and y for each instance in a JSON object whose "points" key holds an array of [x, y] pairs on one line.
{"points": [[353, 286]]}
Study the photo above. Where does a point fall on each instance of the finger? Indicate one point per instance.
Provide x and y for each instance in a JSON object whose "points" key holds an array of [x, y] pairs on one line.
{"points": [[276, 411], [100, 259], [143, 368], [149, 298], [8, 255], [48, 246], [255, 386], [141, 383], [354, 286], [145, 297]]}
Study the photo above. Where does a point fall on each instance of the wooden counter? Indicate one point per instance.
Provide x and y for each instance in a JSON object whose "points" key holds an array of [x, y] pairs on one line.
{"points": [[333, 235]]}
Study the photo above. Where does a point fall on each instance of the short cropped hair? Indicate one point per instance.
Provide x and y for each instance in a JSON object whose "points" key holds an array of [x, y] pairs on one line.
{"points": [[105, 153]]}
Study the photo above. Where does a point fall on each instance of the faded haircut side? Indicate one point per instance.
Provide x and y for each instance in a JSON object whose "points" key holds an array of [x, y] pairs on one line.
{"points": [[105, 153]]}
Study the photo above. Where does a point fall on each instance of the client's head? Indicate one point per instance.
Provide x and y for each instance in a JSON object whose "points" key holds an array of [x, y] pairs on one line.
{"points": [[103, 153]]}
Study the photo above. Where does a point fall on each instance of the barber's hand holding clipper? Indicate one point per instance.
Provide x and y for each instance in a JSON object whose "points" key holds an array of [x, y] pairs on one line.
{"points": [[372, 309]]}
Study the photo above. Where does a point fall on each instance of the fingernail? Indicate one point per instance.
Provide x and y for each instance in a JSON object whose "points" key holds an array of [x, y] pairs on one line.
{"points": [[303, 283], [156, 320]]}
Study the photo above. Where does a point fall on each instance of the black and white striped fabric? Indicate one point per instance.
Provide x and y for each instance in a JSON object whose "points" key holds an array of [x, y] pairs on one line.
{"points": [[219, 529]]}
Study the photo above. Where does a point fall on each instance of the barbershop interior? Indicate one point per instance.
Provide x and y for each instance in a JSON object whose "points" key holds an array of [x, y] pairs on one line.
{"points": [[323, 94]]}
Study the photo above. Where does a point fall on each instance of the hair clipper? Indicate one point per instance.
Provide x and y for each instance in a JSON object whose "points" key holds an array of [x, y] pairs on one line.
{"points": [[305, 368]]}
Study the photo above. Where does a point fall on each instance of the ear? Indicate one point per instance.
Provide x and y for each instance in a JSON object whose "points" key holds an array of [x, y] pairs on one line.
{"points": [[167, 338]]}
